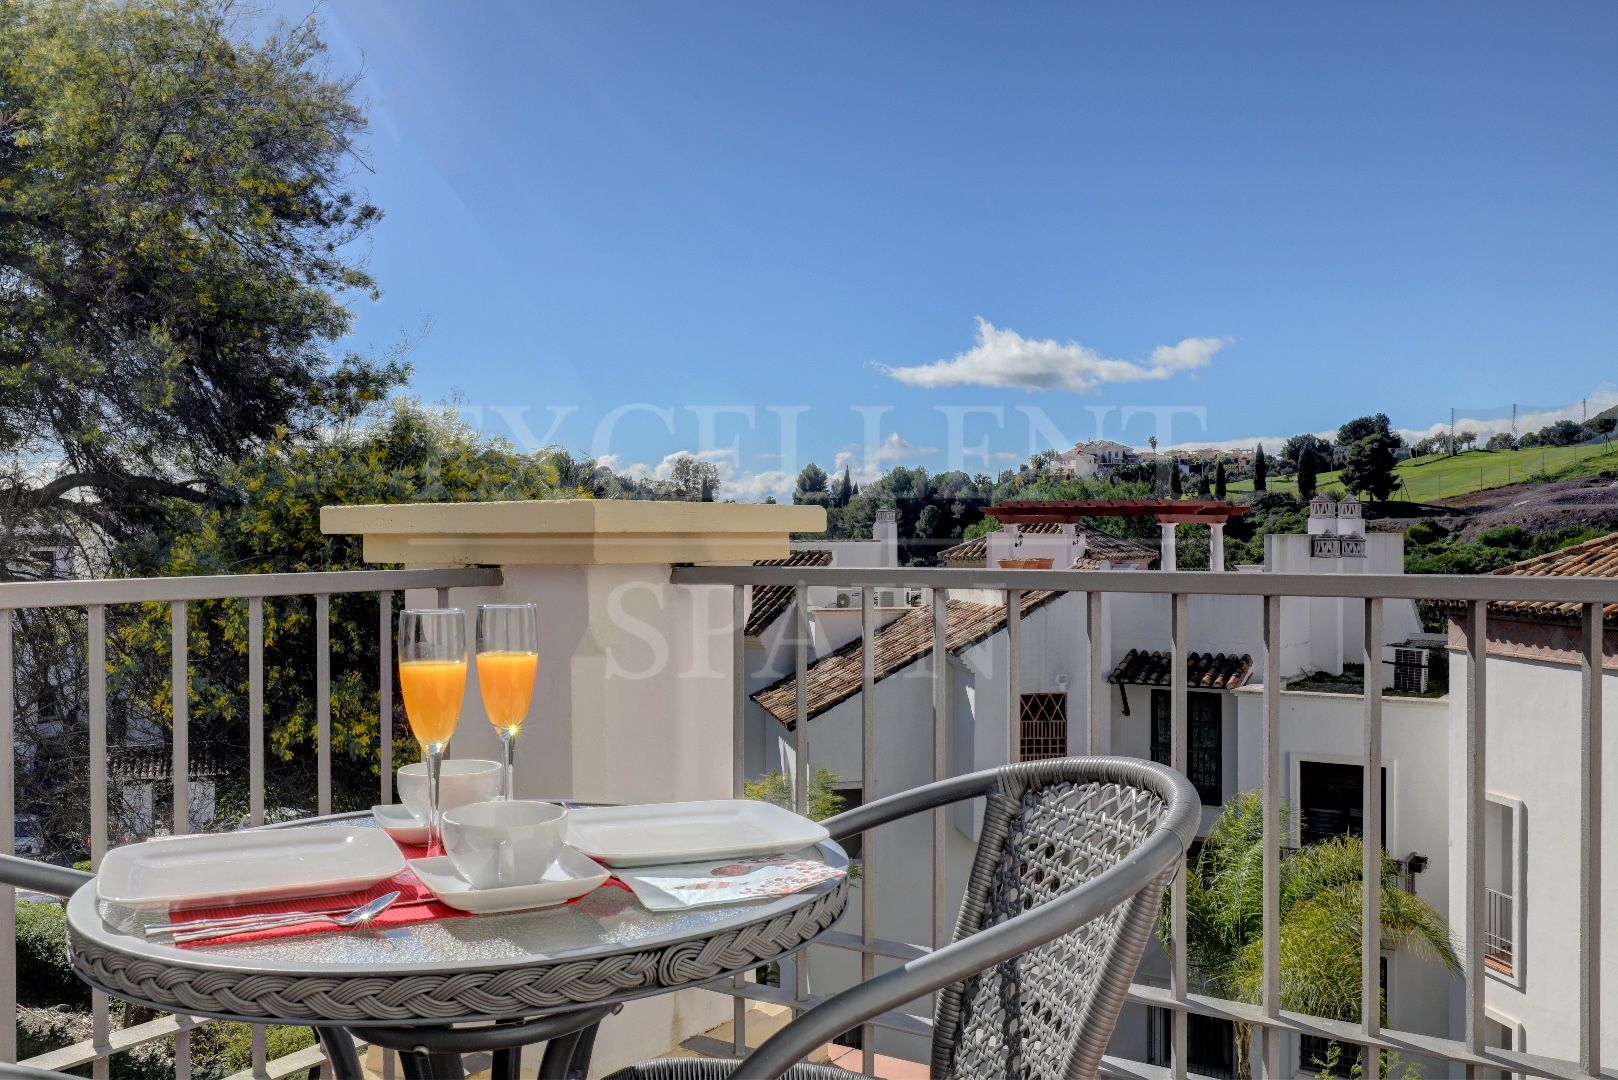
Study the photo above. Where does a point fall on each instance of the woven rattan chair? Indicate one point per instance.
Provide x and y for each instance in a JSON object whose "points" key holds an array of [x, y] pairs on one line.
{"points": [[1071, 865]]}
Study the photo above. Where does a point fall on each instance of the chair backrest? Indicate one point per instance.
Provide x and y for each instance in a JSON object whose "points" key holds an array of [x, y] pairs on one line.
{"points": [[1051, 827]]}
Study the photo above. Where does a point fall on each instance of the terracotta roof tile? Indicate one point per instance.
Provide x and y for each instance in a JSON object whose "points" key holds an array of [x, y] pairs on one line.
{"points": [[1593, 558], [771, 601], [1217, 671], [836, 677]]}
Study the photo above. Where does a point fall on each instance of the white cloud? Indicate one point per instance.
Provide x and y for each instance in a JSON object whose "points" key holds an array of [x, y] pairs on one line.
{"points": [[1005, 358], [865, 464], [737, 483]]}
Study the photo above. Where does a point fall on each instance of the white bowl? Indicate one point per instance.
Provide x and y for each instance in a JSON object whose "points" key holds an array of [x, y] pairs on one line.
{"points": [[511, 842], [461, 781]]}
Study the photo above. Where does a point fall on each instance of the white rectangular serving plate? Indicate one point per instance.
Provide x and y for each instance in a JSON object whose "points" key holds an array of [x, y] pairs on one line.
{"points": [[241, 867], [651, 834]]}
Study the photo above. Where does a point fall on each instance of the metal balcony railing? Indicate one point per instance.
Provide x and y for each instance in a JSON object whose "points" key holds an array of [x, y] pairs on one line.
{"points": [[1267, 1018], [94, 597], [1499, 931]]}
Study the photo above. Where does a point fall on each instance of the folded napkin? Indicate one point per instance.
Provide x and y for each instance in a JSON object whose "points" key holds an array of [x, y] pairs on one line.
{"points": [[698, 884]]}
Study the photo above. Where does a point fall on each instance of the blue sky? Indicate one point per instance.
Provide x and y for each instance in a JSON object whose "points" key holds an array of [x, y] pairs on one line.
{"points": [[1277, 216]]}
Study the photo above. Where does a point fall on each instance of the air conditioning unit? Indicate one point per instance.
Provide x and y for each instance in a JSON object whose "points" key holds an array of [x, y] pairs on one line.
{"points": [[885, 598], [845, 599], [1410, 670], [913, 597]]}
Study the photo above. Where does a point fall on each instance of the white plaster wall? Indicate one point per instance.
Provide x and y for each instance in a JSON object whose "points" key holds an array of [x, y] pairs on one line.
{"points": [[1532, 754]]}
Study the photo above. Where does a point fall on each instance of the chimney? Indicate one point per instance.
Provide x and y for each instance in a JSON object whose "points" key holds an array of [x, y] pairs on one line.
{"points": [[885, 531]]}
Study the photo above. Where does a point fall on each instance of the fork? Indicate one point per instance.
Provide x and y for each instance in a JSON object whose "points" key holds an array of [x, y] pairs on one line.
{"points": [[357, 917]]}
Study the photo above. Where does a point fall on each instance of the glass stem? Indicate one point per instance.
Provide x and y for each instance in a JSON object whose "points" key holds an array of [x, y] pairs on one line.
{"points": [[508, 744], [435, 768]]}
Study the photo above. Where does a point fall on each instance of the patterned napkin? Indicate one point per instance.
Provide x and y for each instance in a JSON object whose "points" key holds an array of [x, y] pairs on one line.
{"points": [[688, 885]]}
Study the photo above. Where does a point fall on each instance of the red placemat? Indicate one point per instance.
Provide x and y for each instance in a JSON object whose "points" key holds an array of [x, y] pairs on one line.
{"points": [[416, 904]]}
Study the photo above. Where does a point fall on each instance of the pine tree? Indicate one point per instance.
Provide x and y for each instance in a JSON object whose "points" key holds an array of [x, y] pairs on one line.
{"points": [[846, 492], [1219, 481], [1261, 469], [1204, 489]]}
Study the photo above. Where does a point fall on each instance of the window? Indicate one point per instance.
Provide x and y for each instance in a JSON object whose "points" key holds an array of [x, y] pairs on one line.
{"points": [[1205, 759], [1210, 1044], [1502, 865], [1331, 801], [1043, 732]]}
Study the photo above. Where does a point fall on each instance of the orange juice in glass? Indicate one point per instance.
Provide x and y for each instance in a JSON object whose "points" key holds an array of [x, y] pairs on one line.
{"points": [[508, 665], [432, 679]]}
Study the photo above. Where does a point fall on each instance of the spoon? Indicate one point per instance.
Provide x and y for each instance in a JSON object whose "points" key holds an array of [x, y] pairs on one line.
{"points": [[358, 917]]}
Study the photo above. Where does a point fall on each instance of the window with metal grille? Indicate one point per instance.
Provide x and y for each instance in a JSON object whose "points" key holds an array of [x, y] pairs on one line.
{"points": [[1205, 759], [1044, 726]]}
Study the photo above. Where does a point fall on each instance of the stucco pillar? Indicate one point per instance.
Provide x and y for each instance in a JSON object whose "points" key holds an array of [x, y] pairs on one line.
{"points": [[1167, 560], [635, 680], [635, 692], [1216, 545]]}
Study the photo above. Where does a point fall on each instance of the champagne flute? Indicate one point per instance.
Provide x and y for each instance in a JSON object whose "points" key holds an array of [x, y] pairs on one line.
{"points": [[432, 678], [508, 663]]}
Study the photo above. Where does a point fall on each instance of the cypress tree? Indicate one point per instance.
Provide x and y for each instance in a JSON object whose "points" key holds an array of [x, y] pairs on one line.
{"points": [[1306, 477], [1175, 487], [1219, 480], [1261, 469]]}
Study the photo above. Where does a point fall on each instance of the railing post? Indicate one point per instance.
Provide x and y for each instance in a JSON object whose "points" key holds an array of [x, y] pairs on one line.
{"points": [[384, 679], [1371, 838], [96, 675], [1013, 673], [940, 757], [180, 698], [1477, 683], [1271, 919], [323, 703], [868, 790], [8, 833], [738, 773], [1179, 747], [1590, 840], [255, 710]]}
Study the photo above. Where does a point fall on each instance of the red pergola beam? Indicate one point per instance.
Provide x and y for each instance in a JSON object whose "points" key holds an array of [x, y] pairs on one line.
{"points": [[1071, 511]]}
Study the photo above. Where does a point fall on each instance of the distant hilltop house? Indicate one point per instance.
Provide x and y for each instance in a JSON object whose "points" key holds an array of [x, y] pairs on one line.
{"points": [[1093, 458]]}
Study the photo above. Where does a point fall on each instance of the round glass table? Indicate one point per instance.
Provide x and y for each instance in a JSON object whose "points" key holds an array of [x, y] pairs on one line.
{"points": [[546, 975]]}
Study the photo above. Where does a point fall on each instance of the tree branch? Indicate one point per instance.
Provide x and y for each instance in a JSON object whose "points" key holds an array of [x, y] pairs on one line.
{"points": [[105, 481]]}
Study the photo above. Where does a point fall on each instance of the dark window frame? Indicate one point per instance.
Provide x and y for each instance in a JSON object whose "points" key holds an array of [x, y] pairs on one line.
{"points": [[1205, 728]]}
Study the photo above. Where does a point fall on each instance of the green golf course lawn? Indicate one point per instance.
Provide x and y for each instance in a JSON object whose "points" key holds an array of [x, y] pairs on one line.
{"points": [[1441, 477]]}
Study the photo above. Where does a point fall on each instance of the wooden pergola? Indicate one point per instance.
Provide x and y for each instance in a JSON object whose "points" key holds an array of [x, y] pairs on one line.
{"points": [[1073, 511]]}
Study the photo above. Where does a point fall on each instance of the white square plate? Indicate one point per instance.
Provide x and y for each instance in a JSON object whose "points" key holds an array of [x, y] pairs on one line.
{"points": [[571, 875], [651, 834], [238, 867]]}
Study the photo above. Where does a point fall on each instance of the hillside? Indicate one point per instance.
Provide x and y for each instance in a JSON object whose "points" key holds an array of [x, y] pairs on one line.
{"points": [[1431, 479]]}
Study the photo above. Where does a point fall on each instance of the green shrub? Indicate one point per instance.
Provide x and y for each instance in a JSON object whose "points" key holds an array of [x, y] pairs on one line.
{"points": [[220, 1050], [44, 976]]}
